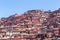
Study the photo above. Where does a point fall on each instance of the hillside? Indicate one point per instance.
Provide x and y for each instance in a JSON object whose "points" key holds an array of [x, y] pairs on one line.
{"points": [[33, 24], [29, 15]]}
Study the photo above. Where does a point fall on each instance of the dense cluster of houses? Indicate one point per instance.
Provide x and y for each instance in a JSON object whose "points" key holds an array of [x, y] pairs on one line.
{"points": [[32, 25]]}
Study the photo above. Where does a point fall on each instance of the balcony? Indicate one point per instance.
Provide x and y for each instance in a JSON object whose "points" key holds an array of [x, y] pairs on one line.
{"points": [[2, 27], [16, 33], [3, 30], [58, 16]]}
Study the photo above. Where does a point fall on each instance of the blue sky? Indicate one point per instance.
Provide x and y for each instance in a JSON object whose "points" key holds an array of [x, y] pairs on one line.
{"points": [[10, 7]]}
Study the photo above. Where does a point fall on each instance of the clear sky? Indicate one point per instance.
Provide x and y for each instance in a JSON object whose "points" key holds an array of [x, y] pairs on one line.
{"points": [[10, 7]]}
